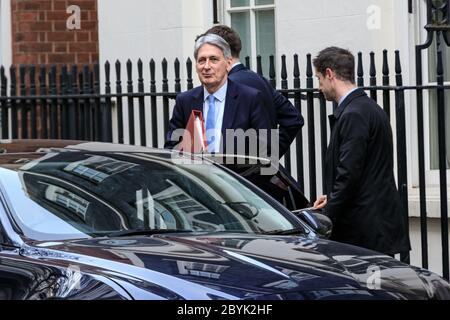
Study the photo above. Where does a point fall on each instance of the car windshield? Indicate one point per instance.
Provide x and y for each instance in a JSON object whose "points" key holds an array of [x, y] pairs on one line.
{"points": [[70, 195]]}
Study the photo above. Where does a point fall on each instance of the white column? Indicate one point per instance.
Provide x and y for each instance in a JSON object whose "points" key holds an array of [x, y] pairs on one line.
{"points": [[5, 34]]}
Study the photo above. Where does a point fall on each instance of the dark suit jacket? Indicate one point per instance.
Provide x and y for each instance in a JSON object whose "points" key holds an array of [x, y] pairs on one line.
{"points": [[363, 201], [281, 112], [243, 110]]}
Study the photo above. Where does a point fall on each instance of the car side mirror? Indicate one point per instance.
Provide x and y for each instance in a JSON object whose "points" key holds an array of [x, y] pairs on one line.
{"points": [[319, 222]]}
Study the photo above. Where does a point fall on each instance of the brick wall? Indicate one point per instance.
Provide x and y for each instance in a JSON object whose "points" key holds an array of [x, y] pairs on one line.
{"points": [[40, 34]]}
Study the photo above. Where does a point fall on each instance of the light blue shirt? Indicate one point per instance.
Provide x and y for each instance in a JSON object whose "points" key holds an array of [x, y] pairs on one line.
{"points": [[345, 96], [219, 104]]}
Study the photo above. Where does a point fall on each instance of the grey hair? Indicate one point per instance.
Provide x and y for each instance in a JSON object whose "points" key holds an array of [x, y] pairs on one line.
{"points": [[215, 40]]}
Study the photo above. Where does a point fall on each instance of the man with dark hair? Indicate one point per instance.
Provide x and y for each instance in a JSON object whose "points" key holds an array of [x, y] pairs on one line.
{"points": [[362, 199], [283, 115]]}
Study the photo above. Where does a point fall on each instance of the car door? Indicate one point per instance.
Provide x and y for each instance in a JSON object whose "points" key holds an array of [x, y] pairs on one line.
{"points": [[19, 278], [280, 185], [13, 279]]}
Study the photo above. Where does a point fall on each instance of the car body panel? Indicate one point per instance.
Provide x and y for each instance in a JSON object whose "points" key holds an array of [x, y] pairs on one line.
{"points": [[192, 265], [236, 266]]}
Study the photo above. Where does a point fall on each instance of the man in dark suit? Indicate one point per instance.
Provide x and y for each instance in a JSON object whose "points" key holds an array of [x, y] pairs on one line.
{"points": [[226, 105], [282, 113], [362, 199]]}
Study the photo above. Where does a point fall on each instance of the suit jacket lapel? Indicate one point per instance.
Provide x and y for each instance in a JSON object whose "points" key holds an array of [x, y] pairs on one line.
{"points": [[355, 94], [197, 101], [231, 104]]}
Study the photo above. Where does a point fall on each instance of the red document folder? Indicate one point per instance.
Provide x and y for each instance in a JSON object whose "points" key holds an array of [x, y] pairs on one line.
{"points": [[194, 138]]}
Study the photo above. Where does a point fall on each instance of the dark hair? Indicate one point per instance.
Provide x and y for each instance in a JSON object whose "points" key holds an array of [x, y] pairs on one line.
{"points": [[230, 36], [341, 61]]}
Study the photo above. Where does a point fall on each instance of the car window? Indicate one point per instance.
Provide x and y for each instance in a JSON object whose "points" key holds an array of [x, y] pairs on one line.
{"points": [[80, 194], [280, 185]]}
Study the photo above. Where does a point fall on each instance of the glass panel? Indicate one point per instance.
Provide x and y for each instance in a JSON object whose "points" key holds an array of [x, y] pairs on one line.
{"points": [[432, 74], [152, 193], [263, 2], [239, 3], [265, 37], [437, 15], [434, 142], [240, 21]]}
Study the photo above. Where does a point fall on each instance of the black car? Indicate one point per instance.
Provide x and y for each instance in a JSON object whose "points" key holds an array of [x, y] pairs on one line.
{"points": [[105, 221]]}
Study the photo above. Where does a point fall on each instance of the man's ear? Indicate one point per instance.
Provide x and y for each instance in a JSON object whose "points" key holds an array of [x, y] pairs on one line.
{"points": [[329, 73], [229, 63]]}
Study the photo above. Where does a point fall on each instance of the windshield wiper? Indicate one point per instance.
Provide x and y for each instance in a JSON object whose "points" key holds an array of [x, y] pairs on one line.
{"points": [[137, 232], [285, 232]]}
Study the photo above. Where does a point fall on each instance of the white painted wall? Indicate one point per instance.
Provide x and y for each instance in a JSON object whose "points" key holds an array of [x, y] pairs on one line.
{"points": [[145, 29], [308, 26], [434, 244], [5, 33], [5, 39]]}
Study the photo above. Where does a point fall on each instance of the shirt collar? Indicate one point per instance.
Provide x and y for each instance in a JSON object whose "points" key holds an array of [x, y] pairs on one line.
{"points": [[346, 95], [219, 94], [236, 64]]}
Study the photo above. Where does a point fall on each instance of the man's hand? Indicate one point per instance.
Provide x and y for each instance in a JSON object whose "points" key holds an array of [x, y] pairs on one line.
{"points": [[320, 202]]}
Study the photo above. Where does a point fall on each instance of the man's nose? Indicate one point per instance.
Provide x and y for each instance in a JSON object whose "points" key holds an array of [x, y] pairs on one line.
{"points": [[206, 66]]}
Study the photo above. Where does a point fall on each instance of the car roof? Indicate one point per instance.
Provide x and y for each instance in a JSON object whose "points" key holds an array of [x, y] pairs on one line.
{"points": [[42, 145], [16, 151]]}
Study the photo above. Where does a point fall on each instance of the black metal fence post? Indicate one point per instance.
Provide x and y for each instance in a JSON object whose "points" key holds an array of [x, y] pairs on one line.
{"points": [[4, 103], [165, 89], [373, 76], [176, 66], [386, 92], [259, 69], [272, 74], [13, 93], [360, 71], [107, 115], [43, 118], [421, 151], [33, 104], [154, 110], [190, 84], [247, 62], [65, 90], [72, 115], [99, 108], [130, 102], [401, 144], [311, 131], [299, 138], [442, 165], [141, 104], [119, 102], [323, 137], [284, 85], [54, 104], [23, 102]]}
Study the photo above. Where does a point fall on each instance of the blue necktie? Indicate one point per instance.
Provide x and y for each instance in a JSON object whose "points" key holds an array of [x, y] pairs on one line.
{"points": [[211, 122]]}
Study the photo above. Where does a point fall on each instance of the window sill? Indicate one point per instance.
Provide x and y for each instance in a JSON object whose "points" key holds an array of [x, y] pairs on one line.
{"points": [[433, 203]]}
